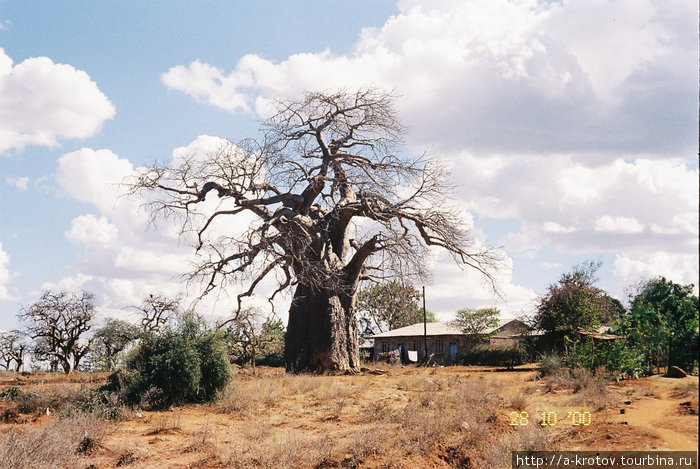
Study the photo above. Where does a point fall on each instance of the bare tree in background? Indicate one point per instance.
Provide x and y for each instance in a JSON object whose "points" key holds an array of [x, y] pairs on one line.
{"points": [[13, 344], [328, 192], [156, 310], [56, 323], [247, 335], [110, 340]]}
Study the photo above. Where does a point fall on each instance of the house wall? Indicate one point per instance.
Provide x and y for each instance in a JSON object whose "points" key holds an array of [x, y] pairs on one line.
{"points": [[438, 346], [503, 336]]}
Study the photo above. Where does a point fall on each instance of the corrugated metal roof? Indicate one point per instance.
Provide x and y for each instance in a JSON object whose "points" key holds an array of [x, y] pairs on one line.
{"points": [[433, 328]]}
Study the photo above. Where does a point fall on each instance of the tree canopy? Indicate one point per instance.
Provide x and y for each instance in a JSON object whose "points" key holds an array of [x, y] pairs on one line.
{"points": [[389, 305], [663, 319], [575, 302], [477, 322], [57, 322]]}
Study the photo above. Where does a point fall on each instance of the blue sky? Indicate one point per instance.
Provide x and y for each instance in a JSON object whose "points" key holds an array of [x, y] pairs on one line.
{"points": [[571, 129]]}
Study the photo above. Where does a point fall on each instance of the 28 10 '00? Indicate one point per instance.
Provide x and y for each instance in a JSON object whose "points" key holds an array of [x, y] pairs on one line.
{"points": [[550, 419]]}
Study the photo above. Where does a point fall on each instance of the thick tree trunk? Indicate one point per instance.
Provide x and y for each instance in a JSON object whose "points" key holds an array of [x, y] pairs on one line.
{"points": [[322, 332]]}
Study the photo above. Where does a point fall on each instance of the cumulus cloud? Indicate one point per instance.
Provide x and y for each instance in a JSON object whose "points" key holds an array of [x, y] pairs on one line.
{"points": [[577, 208], [93, 176], [120, 259], [4, 276], [454, 288], [42, 102], [681, 268], [17, 181], [576, 118], [612, 224], [92, 231], [501, 76]]}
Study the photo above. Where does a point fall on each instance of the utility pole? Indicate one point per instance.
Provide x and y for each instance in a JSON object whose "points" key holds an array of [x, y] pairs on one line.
{"points": [[425, 327]]}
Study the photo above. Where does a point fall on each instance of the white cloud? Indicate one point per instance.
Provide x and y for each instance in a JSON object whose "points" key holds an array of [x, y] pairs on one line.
{"points": [[120, 259], [680, 268], [625, 225], [455, 288], [92, 231], [4, 276], [42, 102], [93, 176], [497, 75], [17, 181], [554, 227], [562, 203]]}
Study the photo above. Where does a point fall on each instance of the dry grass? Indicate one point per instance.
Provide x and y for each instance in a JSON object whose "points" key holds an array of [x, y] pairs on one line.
{"points": [[57, 444], [685, 389], [400, 417]]}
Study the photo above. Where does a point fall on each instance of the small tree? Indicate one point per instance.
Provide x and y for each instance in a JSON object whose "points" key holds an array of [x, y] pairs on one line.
{"points": [[184, 363], [386, 306], [272, 353], [476, 323], [250, 335], [156, 310], [57, 322], [13, 344], [663, 318], [111, 340], [572, 303]]}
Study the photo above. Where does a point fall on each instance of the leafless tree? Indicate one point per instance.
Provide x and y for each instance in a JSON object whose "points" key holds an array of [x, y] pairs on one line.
{"points": [[247, 336], [156, 310], [13, 344], [56, 323], [111, 340], [329, 192]]}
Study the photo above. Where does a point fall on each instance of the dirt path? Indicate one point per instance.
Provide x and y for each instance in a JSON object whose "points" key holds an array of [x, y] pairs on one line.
{"points": [[660, 415]]}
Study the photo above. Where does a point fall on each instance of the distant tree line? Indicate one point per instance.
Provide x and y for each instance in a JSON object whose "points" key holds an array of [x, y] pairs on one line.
{"points": [[61, 330]]}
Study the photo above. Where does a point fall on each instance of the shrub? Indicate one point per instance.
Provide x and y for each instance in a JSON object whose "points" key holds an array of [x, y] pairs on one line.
{"points": [[618, 358], [186, 364], [550, 363], [495, 356]]}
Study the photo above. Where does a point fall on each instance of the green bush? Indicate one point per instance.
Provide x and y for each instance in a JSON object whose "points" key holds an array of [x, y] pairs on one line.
{"points": [[495, 356], [186, 364], [619, 359], [550, 363]]}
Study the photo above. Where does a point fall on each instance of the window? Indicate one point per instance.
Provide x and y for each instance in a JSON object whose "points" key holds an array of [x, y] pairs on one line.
{"points": [[385, 346], [439, 346], [416, 345]]}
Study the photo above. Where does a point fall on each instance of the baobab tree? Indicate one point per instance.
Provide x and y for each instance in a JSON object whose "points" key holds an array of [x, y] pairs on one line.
{"points": [[57, 322], [12, 347], [326, 191]]}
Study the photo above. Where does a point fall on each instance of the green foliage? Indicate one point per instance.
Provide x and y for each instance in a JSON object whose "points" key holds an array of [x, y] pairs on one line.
{"points": [[10, 393], [495, 356], [188, 363], [255, 342], [619, 359], [476, 322], [110, 341], [272, 353], [387, 306], [572, 303], [550, 363], [663, 319]]}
